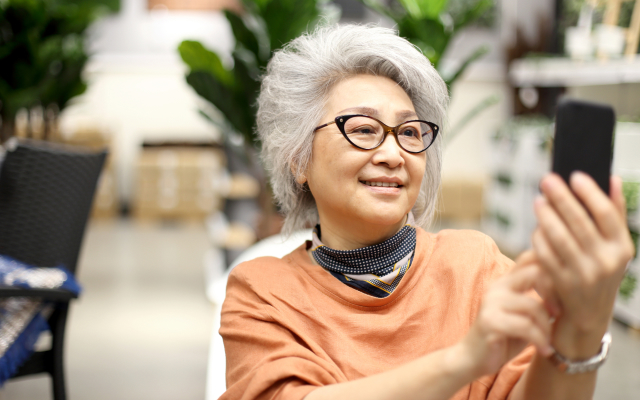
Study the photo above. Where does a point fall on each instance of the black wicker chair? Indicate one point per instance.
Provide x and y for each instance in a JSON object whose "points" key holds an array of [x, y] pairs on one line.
{"points": [[46, 192]]}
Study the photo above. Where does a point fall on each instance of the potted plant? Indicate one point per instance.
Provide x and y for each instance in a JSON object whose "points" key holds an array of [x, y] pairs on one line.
{"points": [[42, 55]]}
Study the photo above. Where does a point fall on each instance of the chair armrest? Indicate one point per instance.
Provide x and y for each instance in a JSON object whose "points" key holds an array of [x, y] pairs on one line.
{"points": [[47, 294]]}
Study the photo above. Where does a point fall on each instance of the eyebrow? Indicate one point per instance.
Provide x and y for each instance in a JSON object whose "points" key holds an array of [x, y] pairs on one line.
{"points": [[372, 112]]}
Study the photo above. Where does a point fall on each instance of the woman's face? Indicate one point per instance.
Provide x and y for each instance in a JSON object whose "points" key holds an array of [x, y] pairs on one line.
{"points": [[342, 178]]}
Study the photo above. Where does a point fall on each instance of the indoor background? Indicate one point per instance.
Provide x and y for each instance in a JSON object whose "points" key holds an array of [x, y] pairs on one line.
{"points": [[183, 194]]}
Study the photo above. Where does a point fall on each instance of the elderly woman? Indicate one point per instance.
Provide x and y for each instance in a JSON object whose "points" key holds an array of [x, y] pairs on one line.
{"points": [[375, 307]]}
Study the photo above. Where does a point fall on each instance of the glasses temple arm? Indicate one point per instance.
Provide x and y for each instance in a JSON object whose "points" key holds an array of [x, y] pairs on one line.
{"points": [[323, 125]]}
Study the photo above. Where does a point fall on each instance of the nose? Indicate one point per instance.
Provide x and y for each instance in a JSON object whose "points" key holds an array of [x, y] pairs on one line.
{"points": [[389, 153]]}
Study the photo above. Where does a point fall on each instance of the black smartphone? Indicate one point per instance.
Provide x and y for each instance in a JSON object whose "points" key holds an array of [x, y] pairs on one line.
{"points": [[583, 140]]}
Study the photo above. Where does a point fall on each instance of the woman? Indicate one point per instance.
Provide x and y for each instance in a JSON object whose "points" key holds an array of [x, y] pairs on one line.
{"points": [[374, 307]]}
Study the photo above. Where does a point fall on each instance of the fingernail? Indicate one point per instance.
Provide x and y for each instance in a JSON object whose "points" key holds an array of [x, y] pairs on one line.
{"points": [[547, 351], [539, 201], [577, 178]]}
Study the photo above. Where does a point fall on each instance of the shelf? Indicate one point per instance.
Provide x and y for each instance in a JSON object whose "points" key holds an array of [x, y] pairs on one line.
{"points": [[565, 72]]}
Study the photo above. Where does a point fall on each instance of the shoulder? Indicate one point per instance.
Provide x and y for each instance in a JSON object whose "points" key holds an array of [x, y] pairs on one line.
{"points": [[258, 271], [266, 273], [469, 252], [461, 243]]}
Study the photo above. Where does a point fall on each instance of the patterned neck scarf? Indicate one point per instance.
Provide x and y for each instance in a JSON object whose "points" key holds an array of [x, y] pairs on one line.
{"points": [[375, 270]]}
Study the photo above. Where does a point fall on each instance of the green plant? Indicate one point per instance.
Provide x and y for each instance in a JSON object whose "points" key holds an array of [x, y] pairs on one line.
{"points": [[631, 192], [431, 24], [42, 53], [628, 285], [264, 27]]}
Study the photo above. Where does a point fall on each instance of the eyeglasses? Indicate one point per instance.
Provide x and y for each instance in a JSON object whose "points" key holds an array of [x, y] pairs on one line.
{"points": [[367, 133]]}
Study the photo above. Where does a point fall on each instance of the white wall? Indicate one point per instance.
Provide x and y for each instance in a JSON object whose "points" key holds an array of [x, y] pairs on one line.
{"points": [[465, 155], [137, 90]]}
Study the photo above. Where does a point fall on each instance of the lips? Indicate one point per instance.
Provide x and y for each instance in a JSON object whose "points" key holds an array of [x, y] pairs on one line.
{"points": [[381, 184]]}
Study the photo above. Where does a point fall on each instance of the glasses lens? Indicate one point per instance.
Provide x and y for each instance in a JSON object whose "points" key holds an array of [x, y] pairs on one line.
{"points": [[364, 132], [415, 136]]}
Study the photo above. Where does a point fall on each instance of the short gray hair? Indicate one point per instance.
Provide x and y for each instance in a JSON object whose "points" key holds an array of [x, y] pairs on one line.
{"points": [[294, 92]]}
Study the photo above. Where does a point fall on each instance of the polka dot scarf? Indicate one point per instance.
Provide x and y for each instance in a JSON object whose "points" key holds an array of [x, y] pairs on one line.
{"points": [[376, 270]]}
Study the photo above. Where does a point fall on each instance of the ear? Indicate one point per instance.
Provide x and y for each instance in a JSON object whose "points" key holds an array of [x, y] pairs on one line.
{"points": [[301, 179]]}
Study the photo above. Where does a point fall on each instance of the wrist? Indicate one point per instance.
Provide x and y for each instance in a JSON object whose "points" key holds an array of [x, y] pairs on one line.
{"points": [[459, 362], [576, 343]]}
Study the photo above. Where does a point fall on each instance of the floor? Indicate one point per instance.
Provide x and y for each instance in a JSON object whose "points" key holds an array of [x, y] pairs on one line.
{"points": [[141, 328]]}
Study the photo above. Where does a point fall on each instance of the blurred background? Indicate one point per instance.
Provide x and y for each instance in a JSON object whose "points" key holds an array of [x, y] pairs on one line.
{"points": [[169, 88]]}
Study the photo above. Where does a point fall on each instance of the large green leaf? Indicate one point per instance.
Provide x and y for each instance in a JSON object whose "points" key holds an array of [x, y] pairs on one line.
{"points": [[42, 50], [287, 19], [264, 27], [472, 13], [243, 35], [420, 9], [430, 35], [235, 108], [198, 58]]}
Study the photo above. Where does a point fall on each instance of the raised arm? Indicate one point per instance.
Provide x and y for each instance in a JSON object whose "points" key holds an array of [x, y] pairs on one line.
{"points": [[583, 245]]}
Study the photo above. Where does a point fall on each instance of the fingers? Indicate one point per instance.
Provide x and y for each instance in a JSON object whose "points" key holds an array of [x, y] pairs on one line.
{"points": [[532, 309], [515, 314], [521, 327], [549, 260], [557, 234], [606, 215], [569, 209], [545, 288], [518, 280], [617, 197], [543, 285], [527, 257]]}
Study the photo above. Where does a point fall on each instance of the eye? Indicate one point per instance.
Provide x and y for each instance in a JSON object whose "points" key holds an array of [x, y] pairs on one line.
{"points": [[409, 131], [364, 130]]}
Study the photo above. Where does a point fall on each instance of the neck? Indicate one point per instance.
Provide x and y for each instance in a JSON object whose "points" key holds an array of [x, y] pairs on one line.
{"points": [[349, 236]]}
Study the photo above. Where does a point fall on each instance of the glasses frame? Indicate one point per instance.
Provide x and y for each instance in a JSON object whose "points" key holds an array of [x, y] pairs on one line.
{"points": [[341, 120]]}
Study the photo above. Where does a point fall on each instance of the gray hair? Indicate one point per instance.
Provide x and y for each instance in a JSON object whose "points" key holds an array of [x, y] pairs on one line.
{"points": [[294, 92]]}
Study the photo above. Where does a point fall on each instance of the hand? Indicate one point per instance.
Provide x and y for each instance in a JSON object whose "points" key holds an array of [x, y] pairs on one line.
{"points": [[508, 320], [583, 256]]}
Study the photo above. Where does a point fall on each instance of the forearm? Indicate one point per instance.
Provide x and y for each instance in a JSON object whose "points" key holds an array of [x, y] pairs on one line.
{"points": [[438, 375], [543, 380]]}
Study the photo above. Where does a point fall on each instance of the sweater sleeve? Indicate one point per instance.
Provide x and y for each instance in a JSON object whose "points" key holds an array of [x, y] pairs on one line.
{"points": [[265, 358]]}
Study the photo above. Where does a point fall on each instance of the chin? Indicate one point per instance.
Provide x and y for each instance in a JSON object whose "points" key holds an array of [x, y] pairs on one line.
{"points": [[385, 217]]}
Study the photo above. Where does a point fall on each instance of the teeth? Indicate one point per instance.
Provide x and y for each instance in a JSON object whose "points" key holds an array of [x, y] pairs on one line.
{"points": [[382, 184]]}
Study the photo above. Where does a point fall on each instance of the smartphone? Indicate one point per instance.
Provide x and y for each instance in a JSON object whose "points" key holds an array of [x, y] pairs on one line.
{"points": [[583, 140]]}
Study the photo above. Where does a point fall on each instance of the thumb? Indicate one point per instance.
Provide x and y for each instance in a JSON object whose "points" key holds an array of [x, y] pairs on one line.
{"points": [[525, 258], [522, 278]]}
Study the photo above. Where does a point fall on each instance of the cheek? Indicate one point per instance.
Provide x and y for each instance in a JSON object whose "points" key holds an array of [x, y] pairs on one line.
{"points": [[337, 163], [416, 172]]}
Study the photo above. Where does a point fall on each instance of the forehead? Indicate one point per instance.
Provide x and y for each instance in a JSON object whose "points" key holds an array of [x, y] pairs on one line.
{"points": [[372, 95], [372, 112]]}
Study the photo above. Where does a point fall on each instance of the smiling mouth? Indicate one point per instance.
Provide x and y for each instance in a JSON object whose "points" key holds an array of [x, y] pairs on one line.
{"points": [[381, 184]]}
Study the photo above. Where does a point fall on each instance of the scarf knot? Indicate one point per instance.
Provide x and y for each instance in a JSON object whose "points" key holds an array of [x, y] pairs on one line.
{"points": [[376, 269]]}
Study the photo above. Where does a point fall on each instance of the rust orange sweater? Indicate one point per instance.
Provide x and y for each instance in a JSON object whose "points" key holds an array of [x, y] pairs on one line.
{"points": [[289, 326]]}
